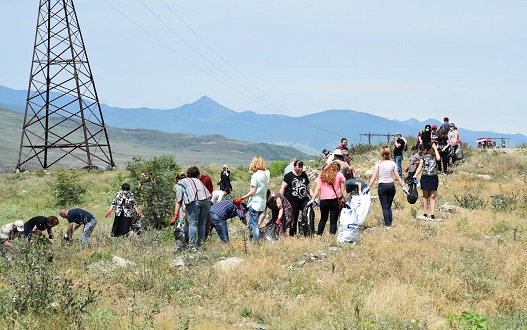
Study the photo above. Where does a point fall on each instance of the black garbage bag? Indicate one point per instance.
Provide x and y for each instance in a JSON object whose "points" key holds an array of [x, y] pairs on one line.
{"points": [[413, 194]]}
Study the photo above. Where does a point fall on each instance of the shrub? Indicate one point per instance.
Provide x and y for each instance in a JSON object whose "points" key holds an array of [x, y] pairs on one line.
{"points": [[34, 286], [154, 179], [467, 320], [504, 202], [67, 188], [470, 201], [276, 168]]}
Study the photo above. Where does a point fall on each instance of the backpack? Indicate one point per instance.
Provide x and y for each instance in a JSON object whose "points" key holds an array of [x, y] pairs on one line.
{"points": [[405, 147], [306, 224]]}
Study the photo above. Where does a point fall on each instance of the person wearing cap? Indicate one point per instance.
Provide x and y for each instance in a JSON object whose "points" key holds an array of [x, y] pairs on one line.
{"points": [[338, 157], [36, 225], [345, 151], [398, 151], [223, 210], [79, 217], [9, 231], [434, 133]]}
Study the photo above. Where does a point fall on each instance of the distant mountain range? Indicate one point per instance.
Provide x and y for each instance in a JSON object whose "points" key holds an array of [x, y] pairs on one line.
{"points": [[309, 133], [128, 143]]}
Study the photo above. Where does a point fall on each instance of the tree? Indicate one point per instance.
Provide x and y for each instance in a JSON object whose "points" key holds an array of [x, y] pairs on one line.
{"points": [[154, 179]]}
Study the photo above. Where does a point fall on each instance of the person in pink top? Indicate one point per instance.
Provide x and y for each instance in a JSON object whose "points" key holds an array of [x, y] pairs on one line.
{"points": [[386, 169], [330, 186]]}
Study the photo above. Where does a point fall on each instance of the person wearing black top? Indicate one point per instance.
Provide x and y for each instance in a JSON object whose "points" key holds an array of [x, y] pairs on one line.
{"points": [[295, 188], [80, 217], [38, 224], [225, 180]]}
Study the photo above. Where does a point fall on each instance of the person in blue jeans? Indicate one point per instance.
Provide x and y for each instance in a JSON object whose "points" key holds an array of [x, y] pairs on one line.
{"points": [[223, 210], [191, 192], [257, 195], [386, 169], [79, 217], [398, 151]]}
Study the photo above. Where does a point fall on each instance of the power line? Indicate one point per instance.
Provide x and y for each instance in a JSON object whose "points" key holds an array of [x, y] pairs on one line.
{"points": [[267, 105]]}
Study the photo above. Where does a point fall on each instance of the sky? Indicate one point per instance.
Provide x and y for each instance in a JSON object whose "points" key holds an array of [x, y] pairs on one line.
{"points": [[396, 59]]}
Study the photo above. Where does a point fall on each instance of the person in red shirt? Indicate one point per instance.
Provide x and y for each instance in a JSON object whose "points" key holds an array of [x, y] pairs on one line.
{"points": [[207, 182]]}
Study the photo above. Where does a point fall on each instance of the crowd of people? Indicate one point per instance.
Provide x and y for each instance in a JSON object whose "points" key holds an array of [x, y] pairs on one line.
{"points": [[200, 208]]}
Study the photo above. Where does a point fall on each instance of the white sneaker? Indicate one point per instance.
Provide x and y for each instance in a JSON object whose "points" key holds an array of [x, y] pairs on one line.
{"points": [[421, 217]]}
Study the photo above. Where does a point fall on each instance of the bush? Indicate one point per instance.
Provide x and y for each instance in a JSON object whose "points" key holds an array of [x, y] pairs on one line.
{"points": [[470, 201], [154, 179], [67, 188], [276, 168], [32, 287]]}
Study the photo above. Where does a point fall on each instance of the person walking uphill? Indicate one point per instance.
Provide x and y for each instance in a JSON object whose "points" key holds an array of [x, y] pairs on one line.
{"points": [[385, 169], [429, 179], [124, 204], [191, 192], [79, 217], [257, 194]]}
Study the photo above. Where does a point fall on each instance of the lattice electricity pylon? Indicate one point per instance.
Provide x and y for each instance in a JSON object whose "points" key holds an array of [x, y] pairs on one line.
{"points": [[63, 115]]}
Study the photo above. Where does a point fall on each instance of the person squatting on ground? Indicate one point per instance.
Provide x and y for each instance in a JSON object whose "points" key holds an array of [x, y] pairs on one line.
{"points": [[223, 210], [295, 188], [36, 225], [281, 212], [192, 193], [124, 205], [79, 217], [10, 231], [385, 169], [429, 179], [257, 195], [330, 186]]}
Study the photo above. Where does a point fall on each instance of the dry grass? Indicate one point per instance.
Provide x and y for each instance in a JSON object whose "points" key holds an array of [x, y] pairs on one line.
{"points": [[411, 276]]}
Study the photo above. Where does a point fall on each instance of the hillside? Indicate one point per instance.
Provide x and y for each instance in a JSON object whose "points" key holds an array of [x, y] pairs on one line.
{"points": [[128, 143], [467, 270]]}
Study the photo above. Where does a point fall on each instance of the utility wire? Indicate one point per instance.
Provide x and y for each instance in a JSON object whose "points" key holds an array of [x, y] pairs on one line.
{"points": [[247, 79], [267, 105]]}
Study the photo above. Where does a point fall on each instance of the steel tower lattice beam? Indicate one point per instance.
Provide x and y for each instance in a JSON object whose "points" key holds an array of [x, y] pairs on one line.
{"points": [[63, 117]]}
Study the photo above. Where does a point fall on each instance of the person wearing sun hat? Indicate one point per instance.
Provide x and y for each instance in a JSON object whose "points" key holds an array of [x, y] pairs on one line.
{"points": [[9, 231], [225, 180]]}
